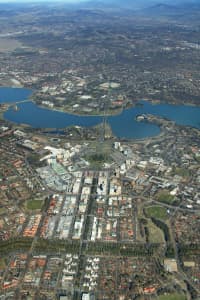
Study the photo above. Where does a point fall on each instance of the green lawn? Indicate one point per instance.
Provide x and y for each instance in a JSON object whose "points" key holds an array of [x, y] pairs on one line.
{"points": [[156, 212], [3, 210], [172, 297], [97, 160], [35, 204], [182, 172], [155, 234], [2, 264], [165, 197]]}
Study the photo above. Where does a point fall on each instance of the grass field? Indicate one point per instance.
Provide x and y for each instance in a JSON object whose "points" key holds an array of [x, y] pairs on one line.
{"points": [[172, 297], [155, 234], [2, 263], [165, 197], [182, 172], [3, 210], [156, 212], [35, 204], [98, 154]]}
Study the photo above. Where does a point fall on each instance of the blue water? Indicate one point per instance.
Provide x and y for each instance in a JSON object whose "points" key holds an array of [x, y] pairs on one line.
{"points": [[10, 95], [123, 125]]}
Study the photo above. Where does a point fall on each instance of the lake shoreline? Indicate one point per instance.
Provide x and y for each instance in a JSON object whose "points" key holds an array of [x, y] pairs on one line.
{"points": [[124, 124]]}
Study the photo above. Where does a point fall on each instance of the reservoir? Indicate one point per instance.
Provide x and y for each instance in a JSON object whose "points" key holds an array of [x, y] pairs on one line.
{"points": [[123, 125], [9, 95]]}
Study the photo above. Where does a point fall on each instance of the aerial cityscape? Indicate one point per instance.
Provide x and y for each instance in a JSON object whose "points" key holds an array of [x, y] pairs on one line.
{"points": [[100, 150]]}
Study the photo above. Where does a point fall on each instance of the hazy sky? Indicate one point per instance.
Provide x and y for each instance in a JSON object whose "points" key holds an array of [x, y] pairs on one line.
{"points": [[14, 1], [121, 1]]}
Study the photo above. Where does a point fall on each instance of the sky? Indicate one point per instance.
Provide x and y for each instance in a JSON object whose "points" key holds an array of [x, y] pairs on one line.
{"points": [[121, 1], [15, 1]]}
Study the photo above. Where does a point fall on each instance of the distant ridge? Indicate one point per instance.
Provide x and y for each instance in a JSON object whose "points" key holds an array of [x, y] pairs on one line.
{"points": [[130, 4], [161, 9], [152, 7], [179, 9]]}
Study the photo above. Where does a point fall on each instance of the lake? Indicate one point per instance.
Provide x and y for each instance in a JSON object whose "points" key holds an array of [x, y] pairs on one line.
{"points": [[123, 125], [10, 95]]}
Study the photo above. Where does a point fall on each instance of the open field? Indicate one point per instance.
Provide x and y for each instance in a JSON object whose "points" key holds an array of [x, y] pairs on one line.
{"points": [[2, 263], [155, 233], [35, 204], [182, 172], [172, 297], [157, 212], [165, 197], [8, 44], [2, 210]]}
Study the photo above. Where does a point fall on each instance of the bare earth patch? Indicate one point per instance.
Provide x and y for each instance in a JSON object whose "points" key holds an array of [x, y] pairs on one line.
{"points": [[7, 44]]}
